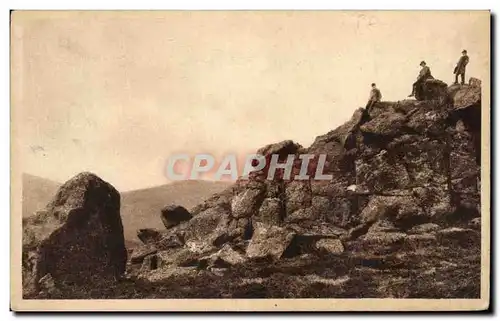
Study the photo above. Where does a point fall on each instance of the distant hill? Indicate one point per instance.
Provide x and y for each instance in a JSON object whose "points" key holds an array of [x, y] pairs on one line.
{"points": [[139, 208], [37, 192]]}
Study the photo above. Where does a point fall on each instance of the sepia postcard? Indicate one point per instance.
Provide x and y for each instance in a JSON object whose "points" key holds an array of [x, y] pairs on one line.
{"points": [[250, 160]]}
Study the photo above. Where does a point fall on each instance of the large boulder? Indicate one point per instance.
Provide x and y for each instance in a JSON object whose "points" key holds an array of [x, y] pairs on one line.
{"points": [[78, 239], [466, 96], [172, 215], [432, 89]]}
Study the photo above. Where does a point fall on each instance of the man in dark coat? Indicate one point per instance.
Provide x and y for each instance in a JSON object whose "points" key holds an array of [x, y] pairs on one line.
{"points": [[460, 68], [375, 96], [423, 75]]}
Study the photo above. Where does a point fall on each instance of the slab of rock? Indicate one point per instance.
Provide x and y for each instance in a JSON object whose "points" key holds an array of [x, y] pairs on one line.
{"points": [[160, 239], [140, 253], [271, 212], [269, 242], [424, 228], [223, 258], [247, 203], [333, 246], [172, 215], [149, 235], [78, 238], [420, 241], [467, 96], [382, 238], [459, 236]]}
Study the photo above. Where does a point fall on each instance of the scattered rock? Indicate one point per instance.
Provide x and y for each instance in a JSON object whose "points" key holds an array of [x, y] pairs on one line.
{"points": [[386, 124], [140, 253], [223, 258], [149, 235], [271, 212], [424, 228], [149, 263], [173, 215], [333, 246], [47, 286], [247, 203], [269, 241], [382, 238], [459, 236], [420, 241]]}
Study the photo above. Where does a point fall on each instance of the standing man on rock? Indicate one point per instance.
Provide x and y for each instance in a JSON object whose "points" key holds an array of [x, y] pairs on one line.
{"points": [[424, 74], [375, 96], [460, 68]]}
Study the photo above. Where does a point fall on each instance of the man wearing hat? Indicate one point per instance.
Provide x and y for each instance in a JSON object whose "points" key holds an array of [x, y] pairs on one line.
{"points": [[460, 68], [423, 75], [375, 96]]}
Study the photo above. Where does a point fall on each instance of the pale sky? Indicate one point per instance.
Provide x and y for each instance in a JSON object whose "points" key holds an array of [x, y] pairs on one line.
{"points": [[116, 93]]}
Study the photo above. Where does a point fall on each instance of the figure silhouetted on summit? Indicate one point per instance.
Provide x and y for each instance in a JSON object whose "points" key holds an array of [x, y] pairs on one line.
{"points": [[375, 96], [424, 74], [460, 68]]}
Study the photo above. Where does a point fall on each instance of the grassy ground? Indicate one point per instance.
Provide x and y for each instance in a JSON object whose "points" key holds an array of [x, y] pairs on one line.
{"points": [[440, 272]]}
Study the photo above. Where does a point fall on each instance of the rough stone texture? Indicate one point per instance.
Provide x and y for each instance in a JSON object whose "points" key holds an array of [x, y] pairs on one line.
{"points": [[271, 212], [458, 236], [406, 183], [140, 253], [160, 239], [386, 124], [246, 203], [172, 215], [432, 89], [223, 258], [207, 225], [424, 228], [269, 242], [333, 246], [466, 96], [79, 238]]}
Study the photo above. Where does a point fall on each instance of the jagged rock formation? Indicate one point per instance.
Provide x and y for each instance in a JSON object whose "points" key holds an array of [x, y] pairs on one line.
{"points": [[406, 177], [399, 218], [78, 239]]}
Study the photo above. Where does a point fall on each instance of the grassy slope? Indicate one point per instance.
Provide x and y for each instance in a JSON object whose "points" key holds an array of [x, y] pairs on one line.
{"points": [[37, 192], [141, 208]]}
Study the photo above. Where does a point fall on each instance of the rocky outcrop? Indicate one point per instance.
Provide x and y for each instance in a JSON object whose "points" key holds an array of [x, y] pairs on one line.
{"points": [[78, 239], [405, 181]]}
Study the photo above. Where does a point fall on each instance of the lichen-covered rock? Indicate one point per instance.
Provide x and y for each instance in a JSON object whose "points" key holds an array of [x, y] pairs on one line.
{"points": [[386, 124], [207, 225], [271, 212], [332, 246], [247, 203], [432, 89], [78, 238], [467, 96], [269, 242], [298, 195], [458, 236], [424, 228], [160, 239], [140, 253], [223, 258], [172, 215], [382, 172]]}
